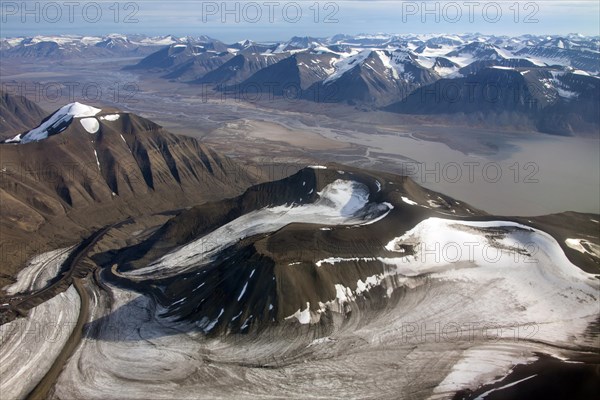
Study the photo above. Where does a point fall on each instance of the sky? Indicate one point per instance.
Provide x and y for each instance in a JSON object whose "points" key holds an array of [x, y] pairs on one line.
{"points": [[267, 20]]}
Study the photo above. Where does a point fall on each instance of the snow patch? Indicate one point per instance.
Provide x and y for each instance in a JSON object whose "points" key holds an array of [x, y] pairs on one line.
{"points": [[484, 394], [207, 325], [584, 246], [346, 64], [378, 186], [242, 292], [480, 365], [302, 316], [97, 160], [334, 260], [322, 340], [91, 125], [110, 117], [409, 201]]}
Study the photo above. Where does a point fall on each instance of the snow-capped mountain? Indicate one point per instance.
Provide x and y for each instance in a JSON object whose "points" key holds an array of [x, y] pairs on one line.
{"points": [[573, 50], [372, 71], [444, 56], [291, 75], [366, 70], [108, 162], [582, 58], [555, 101], [375, 77], [73, 46], [300, 43], [59, 121]]}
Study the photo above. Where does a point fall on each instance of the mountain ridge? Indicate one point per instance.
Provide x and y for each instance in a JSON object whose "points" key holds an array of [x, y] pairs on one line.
{"points": [[68, 182]]}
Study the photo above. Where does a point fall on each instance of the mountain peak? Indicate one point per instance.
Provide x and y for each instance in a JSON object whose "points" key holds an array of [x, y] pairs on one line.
{"points": [[79, 110], [57, 122]]}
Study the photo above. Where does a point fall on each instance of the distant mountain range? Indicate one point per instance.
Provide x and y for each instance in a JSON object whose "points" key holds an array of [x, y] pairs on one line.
{"points": [[74, 46], [551, 81]]}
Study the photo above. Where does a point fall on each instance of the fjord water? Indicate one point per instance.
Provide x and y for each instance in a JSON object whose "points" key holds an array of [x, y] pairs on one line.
{"points": [[530, 174]]}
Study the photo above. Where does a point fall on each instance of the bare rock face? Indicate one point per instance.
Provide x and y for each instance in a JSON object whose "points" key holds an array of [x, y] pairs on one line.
{"points": [[556, 102], [239, 68], [18, 114], [187, 60]]}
